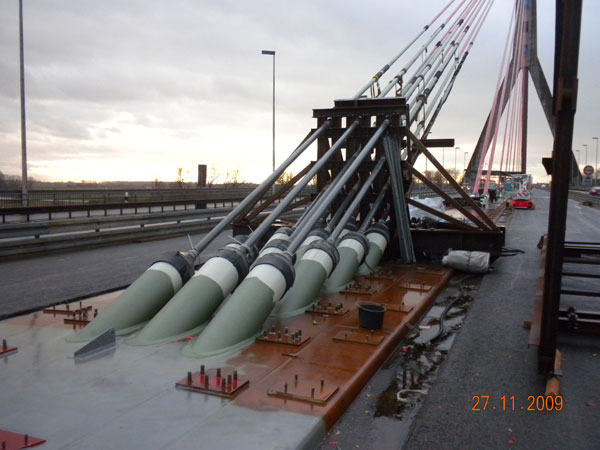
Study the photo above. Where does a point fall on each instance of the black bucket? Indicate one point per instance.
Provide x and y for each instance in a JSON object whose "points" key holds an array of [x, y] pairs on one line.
{"points": [[370, 315]]}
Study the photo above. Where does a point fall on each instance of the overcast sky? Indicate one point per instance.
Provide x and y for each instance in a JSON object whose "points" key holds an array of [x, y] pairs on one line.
{"points": [[133, 90]]}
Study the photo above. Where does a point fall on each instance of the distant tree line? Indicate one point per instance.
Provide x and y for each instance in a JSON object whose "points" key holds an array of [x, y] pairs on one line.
{"points": [[13, 182]]}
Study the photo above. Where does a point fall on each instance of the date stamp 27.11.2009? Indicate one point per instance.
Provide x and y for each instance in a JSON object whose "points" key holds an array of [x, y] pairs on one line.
{"points": [[512, 403]]}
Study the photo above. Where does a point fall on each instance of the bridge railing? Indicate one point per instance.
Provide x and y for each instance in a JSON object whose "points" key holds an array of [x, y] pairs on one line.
{"points": [[13, 198], [86, 232], [48, 205]]}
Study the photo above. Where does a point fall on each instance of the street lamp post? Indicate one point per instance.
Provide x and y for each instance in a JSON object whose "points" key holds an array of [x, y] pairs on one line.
{"points": [[577, 150], [465, 161], [24, 195], [443, 165], [456, 149], [596, 165], [586, 160], [272, 52]]}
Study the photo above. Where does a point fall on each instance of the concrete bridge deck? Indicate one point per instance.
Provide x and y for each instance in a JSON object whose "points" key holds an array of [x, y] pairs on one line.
{"points": [[489, 356]]}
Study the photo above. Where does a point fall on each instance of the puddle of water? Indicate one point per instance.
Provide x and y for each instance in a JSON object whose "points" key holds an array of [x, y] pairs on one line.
{"points": [[393, 397], [416, 363]]}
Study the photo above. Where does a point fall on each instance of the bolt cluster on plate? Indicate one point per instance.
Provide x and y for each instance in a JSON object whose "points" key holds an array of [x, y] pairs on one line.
{"points": [[214, 382]]}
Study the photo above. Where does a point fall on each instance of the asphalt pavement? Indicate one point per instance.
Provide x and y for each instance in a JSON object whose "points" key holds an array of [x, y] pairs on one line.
{"points": [[490, 357], [31, 284]]}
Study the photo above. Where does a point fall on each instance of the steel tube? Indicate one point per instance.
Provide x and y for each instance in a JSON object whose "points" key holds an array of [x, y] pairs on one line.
{"points": [[403, 71], [439, 50], [258, 191], [300, 234], [385, 68], [343, 207], [255, 236], [357, 199], [376, 205]]}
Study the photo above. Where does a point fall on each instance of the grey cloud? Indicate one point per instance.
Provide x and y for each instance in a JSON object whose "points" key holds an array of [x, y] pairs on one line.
{"points": [[191, 70]]}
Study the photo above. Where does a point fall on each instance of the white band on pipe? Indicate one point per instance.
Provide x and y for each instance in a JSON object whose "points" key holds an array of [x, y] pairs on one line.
{"points": [[222, 272], [354, 245], [268, 250], [270, 276], [378, 240], [279, 235], [344, 232], [310, 239], [170, 271], [319, 256]]}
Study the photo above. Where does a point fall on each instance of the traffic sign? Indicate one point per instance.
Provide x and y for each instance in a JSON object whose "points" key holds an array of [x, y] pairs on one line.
{"points": [[588, 170]]}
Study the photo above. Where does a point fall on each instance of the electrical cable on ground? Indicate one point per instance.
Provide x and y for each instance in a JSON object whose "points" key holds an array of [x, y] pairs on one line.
{"points": [[463, 296]]}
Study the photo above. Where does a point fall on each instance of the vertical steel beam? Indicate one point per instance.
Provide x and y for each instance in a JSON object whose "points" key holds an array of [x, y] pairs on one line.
{"points": [[392, 153], [525, 85], [322, 147], [566, 59]]}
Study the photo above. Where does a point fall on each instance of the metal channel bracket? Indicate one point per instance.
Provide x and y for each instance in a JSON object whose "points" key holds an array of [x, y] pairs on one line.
{"points": [[395, 307], [359, 337], [68, 311], [420, 287], [311, 391]]}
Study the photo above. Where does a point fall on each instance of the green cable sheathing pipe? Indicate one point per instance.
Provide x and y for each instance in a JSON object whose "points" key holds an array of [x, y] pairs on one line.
{"points": [[242, 316], [141, 300]]}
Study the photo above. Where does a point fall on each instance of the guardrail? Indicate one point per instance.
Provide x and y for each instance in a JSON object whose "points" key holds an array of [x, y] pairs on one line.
{"points": [[13, 199], [176, 199], [584, 197], [57, 227], [69, 234], [19, 215]]}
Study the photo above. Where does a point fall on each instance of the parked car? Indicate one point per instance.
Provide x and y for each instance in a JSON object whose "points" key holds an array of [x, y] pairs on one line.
{"points": [[595, 190]]}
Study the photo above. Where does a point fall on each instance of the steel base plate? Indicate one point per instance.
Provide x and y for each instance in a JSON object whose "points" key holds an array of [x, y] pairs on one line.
{"points": [[214, 382], [329, 309], [16, 441]]}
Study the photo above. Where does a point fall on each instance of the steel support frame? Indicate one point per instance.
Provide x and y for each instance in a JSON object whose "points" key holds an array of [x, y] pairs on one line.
{"points": [[392, 151], [568, 28], [367, 111]]}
